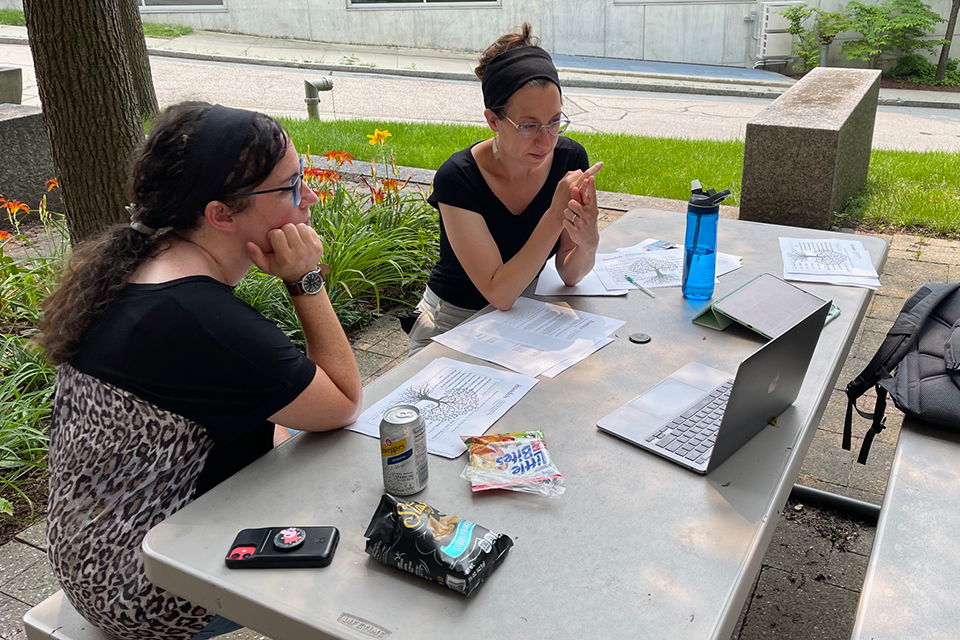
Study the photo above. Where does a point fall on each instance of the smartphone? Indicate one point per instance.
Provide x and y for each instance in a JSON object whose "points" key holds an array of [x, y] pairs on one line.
{"points": [[278, 547]]}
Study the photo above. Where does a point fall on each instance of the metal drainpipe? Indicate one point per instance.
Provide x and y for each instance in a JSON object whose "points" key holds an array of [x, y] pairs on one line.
{"points": [[313, 89]]}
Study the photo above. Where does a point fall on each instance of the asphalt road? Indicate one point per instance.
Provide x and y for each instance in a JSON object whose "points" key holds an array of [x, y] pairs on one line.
{"points": [[279, 91]]}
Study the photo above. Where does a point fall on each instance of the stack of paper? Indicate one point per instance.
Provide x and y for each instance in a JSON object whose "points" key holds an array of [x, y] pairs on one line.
{"points": [[843, 262], [652, 263], [455, 399], [533, 338]]}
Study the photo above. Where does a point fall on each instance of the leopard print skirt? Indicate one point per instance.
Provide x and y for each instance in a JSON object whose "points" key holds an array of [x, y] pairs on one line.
{"points": [[118, 466]]}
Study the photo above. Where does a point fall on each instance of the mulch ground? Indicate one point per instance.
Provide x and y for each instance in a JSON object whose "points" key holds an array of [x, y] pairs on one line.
{"points": [[29, 507]]}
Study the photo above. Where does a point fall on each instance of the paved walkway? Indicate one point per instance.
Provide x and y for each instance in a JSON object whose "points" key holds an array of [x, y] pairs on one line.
{"points": [[809, 583]]}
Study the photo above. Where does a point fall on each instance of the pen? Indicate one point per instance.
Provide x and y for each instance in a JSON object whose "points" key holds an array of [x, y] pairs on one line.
{"points": [[640, 286]]}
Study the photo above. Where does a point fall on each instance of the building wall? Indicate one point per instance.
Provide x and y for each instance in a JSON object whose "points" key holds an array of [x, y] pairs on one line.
{"points": [[701, 31]]}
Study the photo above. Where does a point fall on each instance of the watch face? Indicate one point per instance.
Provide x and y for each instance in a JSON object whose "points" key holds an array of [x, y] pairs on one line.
{"points": [[312, 282]]}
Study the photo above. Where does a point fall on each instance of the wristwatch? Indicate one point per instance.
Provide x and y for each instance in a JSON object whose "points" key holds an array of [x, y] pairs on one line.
{"points": [[310, 284]]}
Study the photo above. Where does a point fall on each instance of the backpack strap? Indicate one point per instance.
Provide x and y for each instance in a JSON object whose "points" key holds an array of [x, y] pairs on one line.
{"points": [[878, 425], [873, 373], [951, 350]]}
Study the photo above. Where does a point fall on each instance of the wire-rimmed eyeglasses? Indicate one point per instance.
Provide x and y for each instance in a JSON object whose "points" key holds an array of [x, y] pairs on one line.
{"points": [[296, 187], [533, 129]]}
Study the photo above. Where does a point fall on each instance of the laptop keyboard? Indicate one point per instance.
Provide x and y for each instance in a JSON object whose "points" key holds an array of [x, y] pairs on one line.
{"points": [[691, 434]]}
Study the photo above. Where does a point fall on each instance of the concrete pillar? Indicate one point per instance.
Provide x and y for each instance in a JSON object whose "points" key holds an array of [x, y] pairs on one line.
{"points": [[11, 85], [809, 150], [25, 161]]}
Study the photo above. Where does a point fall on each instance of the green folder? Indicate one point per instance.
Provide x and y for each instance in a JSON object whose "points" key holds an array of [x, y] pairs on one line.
{"points": [[766, 304]]}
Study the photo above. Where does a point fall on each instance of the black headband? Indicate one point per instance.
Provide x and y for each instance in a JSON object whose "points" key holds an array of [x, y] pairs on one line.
{"points": [[213, 153], [512, 69]]}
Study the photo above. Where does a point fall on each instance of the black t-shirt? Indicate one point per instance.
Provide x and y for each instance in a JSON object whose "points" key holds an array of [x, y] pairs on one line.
{"points": [[193, 348], [459, 183]]}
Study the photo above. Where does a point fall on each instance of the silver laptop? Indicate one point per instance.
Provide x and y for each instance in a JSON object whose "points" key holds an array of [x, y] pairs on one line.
{"points": [[699, 416]]}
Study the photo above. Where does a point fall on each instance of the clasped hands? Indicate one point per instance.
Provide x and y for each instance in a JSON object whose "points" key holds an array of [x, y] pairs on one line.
{"points": [[577, 193]]}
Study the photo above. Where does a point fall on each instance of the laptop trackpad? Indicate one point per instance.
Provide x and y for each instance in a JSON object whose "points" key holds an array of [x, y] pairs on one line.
{"points": [[668, 399]]}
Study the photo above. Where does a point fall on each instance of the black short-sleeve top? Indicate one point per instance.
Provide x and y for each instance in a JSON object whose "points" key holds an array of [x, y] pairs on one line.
{"points": [[191, 347], [459, 183]]}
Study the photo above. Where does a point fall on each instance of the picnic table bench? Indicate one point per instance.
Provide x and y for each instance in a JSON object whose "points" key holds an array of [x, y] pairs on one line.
{"points": [[910, 587]]}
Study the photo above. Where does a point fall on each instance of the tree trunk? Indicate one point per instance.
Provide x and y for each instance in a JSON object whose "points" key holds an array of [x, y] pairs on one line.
{"points": [[945, 50], [137, 58], [85, 88]]}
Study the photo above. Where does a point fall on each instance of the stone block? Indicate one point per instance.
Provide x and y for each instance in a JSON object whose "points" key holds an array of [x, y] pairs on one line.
{"points": [[11, 85], [809, 151], [26, 163]]}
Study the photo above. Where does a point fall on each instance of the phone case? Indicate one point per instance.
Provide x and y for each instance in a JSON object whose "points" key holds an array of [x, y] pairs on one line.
{"points": [[277, 547]]}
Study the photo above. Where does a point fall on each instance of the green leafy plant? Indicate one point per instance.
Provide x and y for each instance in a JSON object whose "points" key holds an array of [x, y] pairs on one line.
{"points": [[916, 68], [380, 238], [812, 43], [29, 269], [890, 28]]}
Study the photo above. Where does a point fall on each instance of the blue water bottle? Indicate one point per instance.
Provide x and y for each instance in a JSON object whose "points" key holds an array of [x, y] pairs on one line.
{"points": [[700, 244]]}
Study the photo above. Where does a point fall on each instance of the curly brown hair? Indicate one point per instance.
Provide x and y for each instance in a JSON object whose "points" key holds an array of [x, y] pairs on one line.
{"points": [[99, 269]]}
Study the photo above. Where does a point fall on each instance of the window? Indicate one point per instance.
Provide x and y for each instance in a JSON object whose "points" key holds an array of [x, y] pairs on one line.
{"points": [[184, 6], [414, 3]]}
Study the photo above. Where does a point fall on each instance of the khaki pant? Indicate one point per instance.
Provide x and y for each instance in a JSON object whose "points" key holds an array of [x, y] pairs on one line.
{"points": [[436, 316]]}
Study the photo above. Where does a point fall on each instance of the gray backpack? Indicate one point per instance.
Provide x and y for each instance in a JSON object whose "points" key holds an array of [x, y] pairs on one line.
{"points": [[917, 364]]}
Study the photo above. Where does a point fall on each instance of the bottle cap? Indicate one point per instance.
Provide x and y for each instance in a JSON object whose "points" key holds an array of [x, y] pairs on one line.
{"points": [[706, 199]]}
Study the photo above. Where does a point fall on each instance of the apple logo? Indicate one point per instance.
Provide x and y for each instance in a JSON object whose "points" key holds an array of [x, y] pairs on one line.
{"points": [[773, 384]]}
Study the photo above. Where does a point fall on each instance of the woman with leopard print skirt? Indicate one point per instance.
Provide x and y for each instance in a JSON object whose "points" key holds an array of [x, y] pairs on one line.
{"points": [[168, 384]]}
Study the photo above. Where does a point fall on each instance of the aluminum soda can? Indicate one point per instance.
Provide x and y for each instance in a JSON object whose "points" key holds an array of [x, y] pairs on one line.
{"points": [[403, 450]]}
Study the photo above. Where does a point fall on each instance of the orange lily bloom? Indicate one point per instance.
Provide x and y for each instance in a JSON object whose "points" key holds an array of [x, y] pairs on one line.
{"points": [[322, 175], [377, 196], [13, 206], [5, 235], [51, 183], [390, 184], [339, 157]]}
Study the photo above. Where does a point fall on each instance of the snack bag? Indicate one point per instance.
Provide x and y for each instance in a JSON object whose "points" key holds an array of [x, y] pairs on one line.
{"points": [[513, 461], [415, 537]]}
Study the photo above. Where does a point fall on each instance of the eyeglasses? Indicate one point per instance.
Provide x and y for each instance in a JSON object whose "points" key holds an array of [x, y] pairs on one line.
{"points": [[296, 188], [533, 129]]}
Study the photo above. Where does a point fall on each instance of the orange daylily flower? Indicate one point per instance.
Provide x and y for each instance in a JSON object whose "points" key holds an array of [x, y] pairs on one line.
{"points": [[5, 235], [51, 183], [379, 137], [389, 184], [322, 175], [377, 196], [339, 157], [13, 206], [323, 194]]}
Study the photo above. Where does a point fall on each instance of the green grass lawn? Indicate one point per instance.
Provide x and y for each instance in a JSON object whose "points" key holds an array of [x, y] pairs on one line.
{"points": [[150, 29], [165, 30], [12, 16], [910, 191]]}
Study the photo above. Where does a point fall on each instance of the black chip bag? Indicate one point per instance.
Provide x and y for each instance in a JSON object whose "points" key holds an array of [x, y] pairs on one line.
{"points": [[415, 537]]}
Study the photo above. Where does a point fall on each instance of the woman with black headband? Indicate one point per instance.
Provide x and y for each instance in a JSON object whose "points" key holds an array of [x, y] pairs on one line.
{"points": [[510, 203], [168, 384]]}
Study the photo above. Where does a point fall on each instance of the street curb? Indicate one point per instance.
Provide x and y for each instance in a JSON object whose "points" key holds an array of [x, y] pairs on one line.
{"points": [[767, 92]]}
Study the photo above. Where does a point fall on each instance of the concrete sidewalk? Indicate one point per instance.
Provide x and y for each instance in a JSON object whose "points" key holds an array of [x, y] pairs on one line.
{"points": [[575, 71], [809, 583]]}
